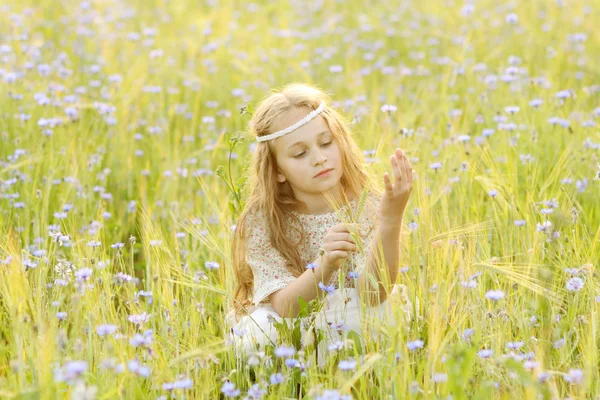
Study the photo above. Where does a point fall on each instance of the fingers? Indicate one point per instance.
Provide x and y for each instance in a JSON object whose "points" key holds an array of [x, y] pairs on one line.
{"points": [[343, 245], [343, 228], [386, 182], [355, 229], [344, 237], [346, 247], [402, 168], [407, 171], [339, 255], [397, 172]]}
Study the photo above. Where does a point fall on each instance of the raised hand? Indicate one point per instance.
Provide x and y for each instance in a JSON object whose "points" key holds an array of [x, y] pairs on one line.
{"points": [[398, 189]]}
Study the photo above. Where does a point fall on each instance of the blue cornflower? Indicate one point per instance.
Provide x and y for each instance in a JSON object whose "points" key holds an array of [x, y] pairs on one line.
{"points": [[415, 344], [229, 390], [256, 392], [563, 94], [536, 102], [353, 274], [494, 294], [485, 353], [514, 345], [575, 284], [329, 289], [276, 378], [311, 265], [285, 351], [211, 265], [388, 108], [332, 394], [435, 166], [544, 227], [575, 376], [106, 329], [347, 365], [292, 362]]}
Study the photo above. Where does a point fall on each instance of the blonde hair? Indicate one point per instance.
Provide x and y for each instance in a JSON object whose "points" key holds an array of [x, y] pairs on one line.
{"points": [[275, 200]]}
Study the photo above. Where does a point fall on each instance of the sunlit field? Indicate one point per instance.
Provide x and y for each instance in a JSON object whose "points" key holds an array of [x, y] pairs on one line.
{"points": [[124, 154]]}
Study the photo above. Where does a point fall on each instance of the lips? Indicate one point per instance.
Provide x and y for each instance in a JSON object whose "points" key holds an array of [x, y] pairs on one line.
{"points": [[322, 172]]}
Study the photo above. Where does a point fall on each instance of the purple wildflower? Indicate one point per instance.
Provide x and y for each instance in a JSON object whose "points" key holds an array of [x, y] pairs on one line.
{"points": [[347, 365], [494, 294], [575, 284], [285, 351], [329, 289], [415, 344], [106, 329], [211, 265], [256, 392], [485, 353], [276, 378], [229, 390]]}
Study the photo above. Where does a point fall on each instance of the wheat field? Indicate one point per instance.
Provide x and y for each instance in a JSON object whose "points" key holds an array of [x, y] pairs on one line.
{"points": [[124, 154]]}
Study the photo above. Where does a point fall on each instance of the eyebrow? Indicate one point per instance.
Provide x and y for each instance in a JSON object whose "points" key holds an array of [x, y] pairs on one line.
{"points": [[301, 142]]}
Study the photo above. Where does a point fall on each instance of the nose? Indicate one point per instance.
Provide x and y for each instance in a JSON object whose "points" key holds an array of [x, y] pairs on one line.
{"points": [[320, 158]]}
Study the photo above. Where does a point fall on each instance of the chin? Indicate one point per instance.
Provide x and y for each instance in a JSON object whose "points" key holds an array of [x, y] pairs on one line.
{"points": [[331, 184]]}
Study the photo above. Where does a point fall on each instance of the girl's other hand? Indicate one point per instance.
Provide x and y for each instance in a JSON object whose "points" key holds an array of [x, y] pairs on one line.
{"points": [[398, 189]]}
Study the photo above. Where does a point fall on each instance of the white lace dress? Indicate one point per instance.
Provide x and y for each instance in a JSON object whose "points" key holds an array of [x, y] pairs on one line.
{"points": [[341, 311]]}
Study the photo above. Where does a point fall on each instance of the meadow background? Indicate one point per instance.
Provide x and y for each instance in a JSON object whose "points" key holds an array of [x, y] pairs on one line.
{"points": [[123, 165]]}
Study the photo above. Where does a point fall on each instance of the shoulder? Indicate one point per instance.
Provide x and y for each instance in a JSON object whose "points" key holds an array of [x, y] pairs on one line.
{"points": [[368, 208], [255, 218], [371, 201], [255, 225], [374, 195]]}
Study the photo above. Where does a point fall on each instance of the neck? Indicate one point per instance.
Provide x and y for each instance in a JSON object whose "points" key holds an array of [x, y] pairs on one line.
{"points": [[319, 205]]}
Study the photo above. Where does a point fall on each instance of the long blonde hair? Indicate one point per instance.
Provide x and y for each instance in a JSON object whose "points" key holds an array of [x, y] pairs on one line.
{"points": [[275, 200]]}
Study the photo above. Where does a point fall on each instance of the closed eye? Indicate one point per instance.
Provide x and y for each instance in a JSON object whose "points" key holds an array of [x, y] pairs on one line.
{"points": [[300, 155]]}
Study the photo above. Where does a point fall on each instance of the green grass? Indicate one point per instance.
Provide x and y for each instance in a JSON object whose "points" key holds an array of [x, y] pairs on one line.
{"points": [[189, 185]]}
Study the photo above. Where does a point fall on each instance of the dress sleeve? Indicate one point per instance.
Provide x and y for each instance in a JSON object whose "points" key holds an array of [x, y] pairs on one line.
{"points": [[266, 262]]}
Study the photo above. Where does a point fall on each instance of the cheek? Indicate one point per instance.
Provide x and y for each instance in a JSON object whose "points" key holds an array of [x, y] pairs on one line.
{"points": [[336, 153], [298, 163]]}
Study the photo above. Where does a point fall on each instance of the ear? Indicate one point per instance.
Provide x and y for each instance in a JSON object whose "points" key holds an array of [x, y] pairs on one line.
{"points": [[280, 177]]}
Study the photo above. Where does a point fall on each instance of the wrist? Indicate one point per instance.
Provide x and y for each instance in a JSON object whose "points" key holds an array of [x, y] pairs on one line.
{"points": [[329, 267], [387, 224]]}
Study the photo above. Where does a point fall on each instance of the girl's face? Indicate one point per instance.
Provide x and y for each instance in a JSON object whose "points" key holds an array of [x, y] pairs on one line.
{"points": [[304, 153]]}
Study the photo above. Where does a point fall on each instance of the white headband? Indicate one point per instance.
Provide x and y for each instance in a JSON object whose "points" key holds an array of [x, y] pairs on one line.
{"points": [[292, 128]]}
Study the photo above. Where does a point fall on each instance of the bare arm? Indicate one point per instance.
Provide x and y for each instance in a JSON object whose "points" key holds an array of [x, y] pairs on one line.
{"points": [[382, 263], [381, 267], [285, 301]]}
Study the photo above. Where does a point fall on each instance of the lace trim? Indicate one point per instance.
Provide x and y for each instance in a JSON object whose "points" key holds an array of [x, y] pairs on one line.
{"points": [[262, 295]]}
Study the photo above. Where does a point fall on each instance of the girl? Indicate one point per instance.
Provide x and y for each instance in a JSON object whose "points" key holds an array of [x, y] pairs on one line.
{"points": [[315, 226]]}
